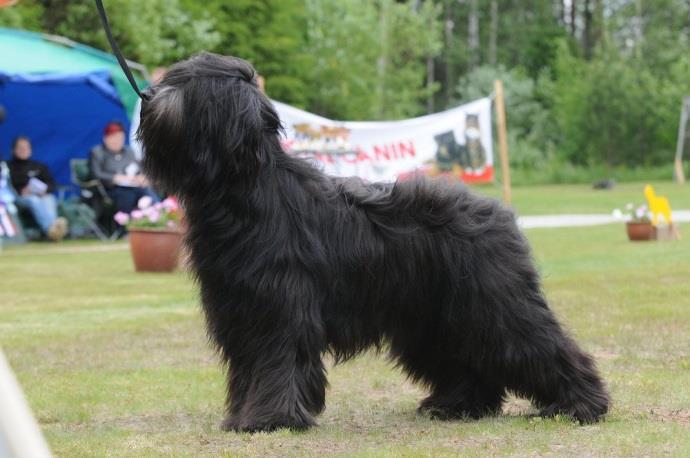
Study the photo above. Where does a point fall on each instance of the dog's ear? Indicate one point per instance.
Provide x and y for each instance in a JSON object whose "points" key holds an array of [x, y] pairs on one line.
{"points": [[241, 126], [240, 123]]}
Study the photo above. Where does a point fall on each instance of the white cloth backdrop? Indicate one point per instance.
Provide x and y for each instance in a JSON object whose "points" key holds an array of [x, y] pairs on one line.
{"points": [[385, 151]]}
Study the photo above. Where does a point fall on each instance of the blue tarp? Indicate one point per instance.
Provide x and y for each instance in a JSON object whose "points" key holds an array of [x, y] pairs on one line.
{"points": [[63, 115]]}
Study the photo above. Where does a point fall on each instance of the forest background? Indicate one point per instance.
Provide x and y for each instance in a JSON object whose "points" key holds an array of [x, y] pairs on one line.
{"points": [[593, 87]]}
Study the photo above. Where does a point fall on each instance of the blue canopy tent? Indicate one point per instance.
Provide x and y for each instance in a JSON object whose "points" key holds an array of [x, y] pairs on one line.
{"points": [[60, 94]]}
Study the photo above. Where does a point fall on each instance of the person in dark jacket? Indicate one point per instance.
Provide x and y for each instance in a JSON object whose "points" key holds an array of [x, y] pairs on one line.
{"points": [[35, 185], [115, 165]]}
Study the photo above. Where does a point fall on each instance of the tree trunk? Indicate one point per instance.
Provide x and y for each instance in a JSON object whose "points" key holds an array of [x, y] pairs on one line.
{"points": [[493, 32], [448, 61], [429, 72], [587, 38], [573, 17], [639, 30], [383, 58], [598, 25], [429, 82], [562, 13], [473, 33]]}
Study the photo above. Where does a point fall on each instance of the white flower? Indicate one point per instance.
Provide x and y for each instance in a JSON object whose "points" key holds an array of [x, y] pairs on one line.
{"points": [[617, 213], [144, 202]]}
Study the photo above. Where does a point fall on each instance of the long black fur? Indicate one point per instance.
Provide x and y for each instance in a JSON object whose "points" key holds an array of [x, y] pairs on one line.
{"points": [[293, 264]]}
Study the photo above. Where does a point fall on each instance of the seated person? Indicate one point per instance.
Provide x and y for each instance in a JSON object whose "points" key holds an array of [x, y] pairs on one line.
{"points": [[7, 199], [114, 164], [34, 185]]}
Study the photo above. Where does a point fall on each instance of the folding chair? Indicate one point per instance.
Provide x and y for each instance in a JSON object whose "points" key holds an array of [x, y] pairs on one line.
{"points": [[95, 208]]}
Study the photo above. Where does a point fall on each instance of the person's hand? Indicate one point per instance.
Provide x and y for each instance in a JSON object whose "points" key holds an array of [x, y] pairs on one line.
{"points": [[122, 180], [25, 191], [141, 181]]}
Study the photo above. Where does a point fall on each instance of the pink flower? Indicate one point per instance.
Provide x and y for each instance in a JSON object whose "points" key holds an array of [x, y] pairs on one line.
{"points": [[170, 204], [121, 218], [154, 215], [171, 224], [144, 202], [137, 214]]}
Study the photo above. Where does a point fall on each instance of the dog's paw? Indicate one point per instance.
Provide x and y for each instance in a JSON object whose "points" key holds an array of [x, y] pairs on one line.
{"points": [[229, 423], [436, 410], [580, 412], [245, 426]]}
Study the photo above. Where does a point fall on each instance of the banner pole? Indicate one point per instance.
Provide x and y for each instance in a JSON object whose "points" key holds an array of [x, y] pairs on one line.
{"points": [[502, 139], [680, 145]]}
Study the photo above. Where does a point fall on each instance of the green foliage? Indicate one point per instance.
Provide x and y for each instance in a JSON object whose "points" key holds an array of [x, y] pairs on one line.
{"points": [[528, 118], [28, 16], [615, 111], [527, 40], [341, 39], [368, 57], [268, 33], [521, 102], [353, 59], [408, 37], [602, 92], [143, 33]]}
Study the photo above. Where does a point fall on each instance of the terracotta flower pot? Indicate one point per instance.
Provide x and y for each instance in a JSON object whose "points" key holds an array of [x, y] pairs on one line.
{"points": [[640, 231], [155, 250]]}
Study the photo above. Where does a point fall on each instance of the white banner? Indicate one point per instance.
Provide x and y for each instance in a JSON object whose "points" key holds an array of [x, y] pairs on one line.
{"points": [[455, 143]]}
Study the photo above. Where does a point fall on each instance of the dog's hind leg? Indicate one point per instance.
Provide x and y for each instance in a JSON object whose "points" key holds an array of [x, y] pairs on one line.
{"points": [[456, 391], [515, 338], [544, 364]]}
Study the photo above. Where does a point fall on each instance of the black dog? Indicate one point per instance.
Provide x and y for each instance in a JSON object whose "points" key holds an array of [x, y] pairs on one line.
{"points": [[293, 264]]}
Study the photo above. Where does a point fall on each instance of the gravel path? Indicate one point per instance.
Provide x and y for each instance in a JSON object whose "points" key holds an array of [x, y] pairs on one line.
{"points": [[530, 222], [525, 222]]}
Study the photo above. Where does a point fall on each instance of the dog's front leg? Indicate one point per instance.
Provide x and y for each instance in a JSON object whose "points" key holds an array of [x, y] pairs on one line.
{"points": [[276, 378]]}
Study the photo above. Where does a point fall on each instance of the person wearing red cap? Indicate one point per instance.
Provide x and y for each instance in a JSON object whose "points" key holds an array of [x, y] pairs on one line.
{"points": [[114, 164]]}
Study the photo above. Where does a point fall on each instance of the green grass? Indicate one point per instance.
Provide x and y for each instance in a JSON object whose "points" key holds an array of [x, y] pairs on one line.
{"points": [[116, 363], [555, 171], [581, 198]]}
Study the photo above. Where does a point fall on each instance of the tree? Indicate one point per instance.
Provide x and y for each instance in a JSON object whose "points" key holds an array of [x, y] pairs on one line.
{"points": [[271, 34], [142, 32], [369, 57]]}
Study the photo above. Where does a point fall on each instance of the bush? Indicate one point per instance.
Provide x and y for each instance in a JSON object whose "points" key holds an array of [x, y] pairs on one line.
{"points": [[614, 111]]}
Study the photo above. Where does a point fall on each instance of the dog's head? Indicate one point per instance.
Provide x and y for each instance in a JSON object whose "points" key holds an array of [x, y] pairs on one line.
{"points": [[207, 120]]}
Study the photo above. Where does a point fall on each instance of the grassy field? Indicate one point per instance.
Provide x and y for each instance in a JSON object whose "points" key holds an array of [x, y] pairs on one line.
{"points": [[559, 199], [116, 363]]}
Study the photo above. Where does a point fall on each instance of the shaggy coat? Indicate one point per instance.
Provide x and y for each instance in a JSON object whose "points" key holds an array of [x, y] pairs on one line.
{"points": [[293, 264]]}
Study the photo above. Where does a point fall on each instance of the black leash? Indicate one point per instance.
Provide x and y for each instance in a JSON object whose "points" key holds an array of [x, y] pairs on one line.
{"points": [[117, 52]]}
